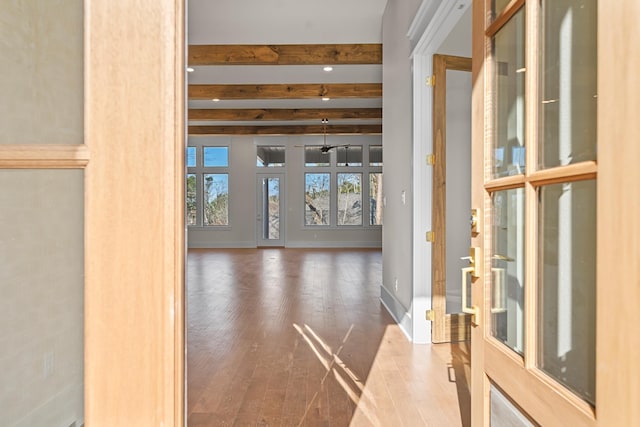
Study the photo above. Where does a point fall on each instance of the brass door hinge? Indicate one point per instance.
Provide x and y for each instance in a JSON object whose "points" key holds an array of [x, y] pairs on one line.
{"points": [[431, 81], [430, 236], [430, 315], [431, 159]]}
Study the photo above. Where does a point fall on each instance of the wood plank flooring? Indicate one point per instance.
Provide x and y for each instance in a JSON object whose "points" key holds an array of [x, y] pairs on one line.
{"points": [[298, 337]]}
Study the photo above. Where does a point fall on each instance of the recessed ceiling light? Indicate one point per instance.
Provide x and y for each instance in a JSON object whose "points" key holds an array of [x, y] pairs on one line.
{"points": [[328, 68], [190, 69], [325, 98], [216, 99]]}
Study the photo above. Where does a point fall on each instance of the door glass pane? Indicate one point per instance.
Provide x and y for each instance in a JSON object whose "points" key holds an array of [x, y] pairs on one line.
{"points": [[568, 87], [192, 211], [508, 154], [567, 299], [497, 6], [507, 268], [350, 155], [41, 72], [42, 297], [271, 208], [349, 199], [216, 199], [375, 199], [317, 198], [504, 413]]}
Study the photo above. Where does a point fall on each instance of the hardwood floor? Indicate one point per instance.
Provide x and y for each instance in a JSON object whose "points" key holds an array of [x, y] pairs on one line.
{"points": [[298, 337]]}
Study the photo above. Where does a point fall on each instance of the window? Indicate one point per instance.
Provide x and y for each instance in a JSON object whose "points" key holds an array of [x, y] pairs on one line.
{"points": [[270, 156], [349, 155], [207, 189], [317, 198], [349, 199], [336, 180]]}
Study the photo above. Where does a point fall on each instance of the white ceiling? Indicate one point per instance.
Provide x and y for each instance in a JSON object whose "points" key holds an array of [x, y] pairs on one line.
{"points": [[285, 22]]}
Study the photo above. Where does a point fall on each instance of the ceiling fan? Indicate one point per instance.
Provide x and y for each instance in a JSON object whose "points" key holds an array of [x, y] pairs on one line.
{"points": [[325, 148]]}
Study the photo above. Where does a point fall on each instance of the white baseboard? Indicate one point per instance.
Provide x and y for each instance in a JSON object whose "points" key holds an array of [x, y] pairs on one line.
{"points": [[221, 245], [397, 311], [326, 244]]}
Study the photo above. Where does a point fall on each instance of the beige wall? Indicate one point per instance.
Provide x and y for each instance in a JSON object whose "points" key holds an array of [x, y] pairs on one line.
{"points": [[41, 72], [41, 216]]}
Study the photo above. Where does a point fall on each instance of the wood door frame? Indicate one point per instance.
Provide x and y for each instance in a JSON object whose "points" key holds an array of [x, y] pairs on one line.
{"points": [[445, 327], [134, 212]]}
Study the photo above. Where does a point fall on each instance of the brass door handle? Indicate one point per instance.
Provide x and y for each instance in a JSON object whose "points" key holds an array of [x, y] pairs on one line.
{"points": [[472, 310]]}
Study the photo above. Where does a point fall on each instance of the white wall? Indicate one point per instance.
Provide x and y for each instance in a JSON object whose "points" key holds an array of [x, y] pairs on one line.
{"points": [[397, 236], [242, 197]]}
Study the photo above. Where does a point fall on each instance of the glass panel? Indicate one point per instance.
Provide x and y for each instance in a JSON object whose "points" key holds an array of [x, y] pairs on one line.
{"points": [[269, 156], [350, 155], [567, 299], [497, 6], [504, 413], [507, 268], [41, 72], [316, 156], [216, 199], [508, 111], [191, 157], [317, 198], [349, 199], [568, 89], [42, 302], [192, 213], [375, 155], [375, 198], [216, 157], [271, 206]]}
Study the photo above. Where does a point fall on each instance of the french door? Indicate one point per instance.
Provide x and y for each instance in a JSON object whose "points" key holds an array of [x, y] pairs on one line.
{"points": [[535, 181], [270, 210]]}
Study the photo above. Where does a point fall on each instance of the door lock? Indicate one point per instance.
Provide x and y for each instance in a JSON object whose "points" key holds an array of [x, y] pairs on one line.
{"points": [[474, 221]]}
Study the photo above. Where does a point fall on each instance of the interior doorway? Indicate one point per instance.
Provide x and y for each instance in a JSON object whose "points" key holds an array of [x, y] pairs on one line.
{"points": [[451, 260]]}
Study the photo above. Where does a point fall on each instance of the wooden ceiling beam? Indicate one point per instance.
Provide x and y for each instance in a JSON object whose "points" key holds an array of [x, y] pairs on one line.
{"points": [[286, 91], [287, 130], [285, 54], [269, 114]]}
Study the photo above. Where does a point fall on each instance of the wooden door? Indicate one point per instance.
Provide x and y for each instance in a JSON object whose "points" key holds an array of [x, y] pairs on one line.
{"points": [[547, 131], [449, 320]]}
